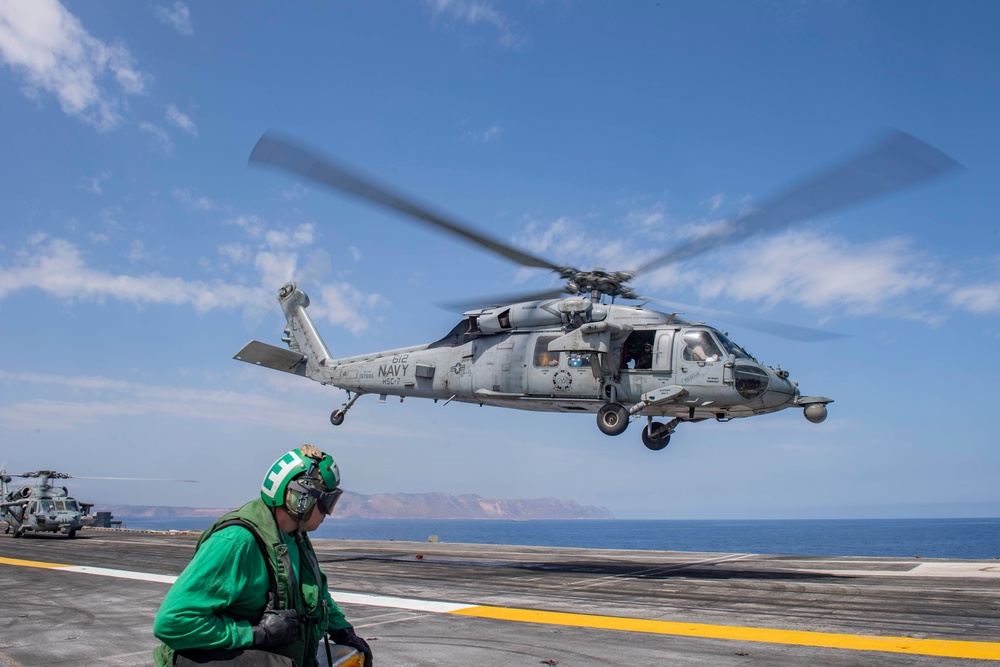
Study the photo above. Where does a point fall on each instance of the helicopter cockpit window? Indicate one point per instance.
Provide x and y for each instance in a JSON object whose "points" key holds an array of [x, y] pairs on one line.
{"points": [[542, 357], [700, 346], [731, 347], [46, 506], [72, 506]]}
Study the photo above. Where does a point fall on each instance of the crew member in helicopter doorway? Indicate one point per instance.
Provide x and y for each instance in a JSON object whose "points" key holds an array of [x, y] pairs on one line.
{"points": [[254, 594]]}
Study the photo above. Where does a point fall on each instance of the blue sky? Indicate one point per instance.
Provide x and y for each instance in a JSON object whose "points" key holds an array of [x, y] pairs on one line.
{"points": [[139, 252]]}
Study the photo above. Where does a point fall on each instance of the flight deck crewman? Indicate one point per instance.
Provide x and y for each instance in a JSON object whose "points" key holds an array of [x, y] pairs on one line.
{"points": [[254, 592]]}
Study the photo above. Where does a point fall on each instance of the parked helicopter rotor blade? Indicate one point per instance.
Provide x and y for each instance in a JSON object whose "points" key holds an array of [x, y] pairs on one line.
{"points": [[276, 151], [896, 161], [501, 300], [779, 329]]}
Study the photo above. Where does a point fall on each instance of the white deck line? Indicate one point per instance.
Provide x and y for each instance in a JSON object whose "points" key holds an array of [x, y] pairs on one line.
{"points": [[410, 604]]}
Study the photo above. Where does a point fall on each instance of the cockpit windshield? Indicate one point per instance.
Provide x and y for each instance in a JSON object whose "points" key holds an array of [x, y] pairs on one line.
{"points": [[700, 346], [731, 347]]}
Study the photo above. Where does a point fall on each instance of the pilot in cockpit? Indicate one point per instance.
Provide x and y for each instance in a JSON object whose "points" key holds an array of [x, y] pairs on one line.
{"points": [[700, 347]]}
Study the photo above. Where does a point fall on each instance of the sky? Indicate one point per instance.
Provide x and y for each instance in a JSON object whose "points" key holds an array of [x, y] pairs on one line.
{"points": [[139, 252]]}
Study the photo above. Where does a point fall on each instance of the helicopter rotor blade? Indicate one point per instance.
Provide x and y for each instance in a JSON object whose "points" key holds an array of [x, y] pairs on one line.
{"points": [[501, 300], [276, 151], [779, 329], [896, 161]]}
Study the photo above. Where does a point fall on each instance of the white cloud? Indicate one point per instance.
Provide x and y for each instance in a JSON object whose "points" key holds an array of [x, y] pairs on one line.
{"points": [[251, 224], [178, 17], [192, 202], [715, 203], [181, 120], [294, 238], [486, 136], [278, 260], [983, 299], [342, 304], [55, 54], [569, 241], [57, 267], [297, 191], [237, 253], [161, 140], [805, 266], [137, 252], [95, 184], [645, 220], [473, 12], [822, 271], [118, 398]]}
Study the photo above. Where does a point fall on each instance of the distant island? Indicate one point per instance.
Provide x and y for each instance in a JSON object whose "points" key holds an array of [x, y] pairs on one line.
{"points": [[405, 506]]}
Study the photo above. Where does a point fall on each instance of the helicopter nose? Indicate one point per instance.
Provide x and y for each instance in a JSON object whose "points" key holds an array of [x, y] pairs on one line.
{"points": [[780, 389]]}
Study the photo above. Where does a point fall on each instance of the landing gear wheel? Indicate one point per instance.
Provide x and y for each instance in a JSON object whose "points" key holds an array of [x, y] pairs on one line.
{"points": [[71, 534], [612, 419], [337, 417], [656, 436], [18, 533]]}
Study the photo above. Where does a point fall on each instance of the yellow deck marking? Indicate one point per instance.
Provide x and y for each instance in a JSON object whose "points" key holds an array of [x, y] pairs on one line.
{"points": [[31, 563], [938, 647], [946, 648]]}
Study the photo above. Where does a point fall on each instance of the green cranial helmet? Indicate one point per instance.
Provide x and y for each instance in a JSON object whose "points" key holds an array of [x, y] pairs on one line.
{"points": [[298, 479]]}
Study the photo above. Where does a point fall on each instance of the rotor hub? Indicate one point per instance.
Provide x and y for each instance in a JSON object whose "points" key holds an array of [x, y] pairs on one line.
{"points": [[597, 281]]}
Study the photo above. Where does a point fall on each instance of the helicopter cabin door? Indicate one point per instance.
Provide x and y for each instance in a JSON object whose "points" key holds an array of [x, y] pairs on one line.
{"points": [[646, 360], [700, 362], [556, 374], [663, 353], [499, 364]]}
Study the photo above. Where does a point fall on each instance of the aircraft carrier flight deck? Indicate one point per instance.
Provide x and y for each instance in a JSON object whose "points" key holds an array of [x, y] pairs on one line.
{"points": [[91, 601]]}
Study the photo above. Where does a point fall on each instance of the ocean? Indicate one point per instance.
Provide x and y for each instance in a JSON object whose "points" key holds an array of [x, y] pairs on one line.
{"points": [[905, 538]]}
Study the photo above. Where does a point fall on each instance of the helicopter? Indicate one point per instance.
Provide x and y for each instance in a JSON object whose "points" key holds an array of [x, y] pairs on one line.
{"points": [[574, 349], [42, 508]]}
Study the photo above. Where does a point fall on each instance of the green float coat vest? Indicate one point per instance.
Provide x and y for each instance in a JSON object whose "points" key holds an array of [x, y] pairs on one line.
{"points": [[308, 595]]}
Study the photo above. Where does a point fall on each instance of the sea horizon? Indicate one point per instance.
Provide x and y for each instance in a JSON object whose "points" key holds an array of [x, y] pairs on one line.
{"points": [[960, 537]]}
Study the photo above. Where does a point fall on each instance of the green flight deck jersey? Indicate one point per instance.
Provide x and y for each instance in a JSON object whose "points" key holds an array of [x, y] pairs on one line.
{"points": [[223, 590]]}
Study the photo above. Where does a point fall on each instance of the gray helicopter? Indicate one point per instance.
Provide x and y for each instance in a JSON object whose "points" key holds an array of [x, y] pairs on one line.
{"points": [[42, 508], [574, 349]]}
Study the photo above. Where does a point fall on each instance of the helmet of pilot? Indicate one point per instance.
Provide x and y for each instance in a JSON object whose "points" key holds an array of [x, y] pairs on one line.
{"points": [[301, 479]]}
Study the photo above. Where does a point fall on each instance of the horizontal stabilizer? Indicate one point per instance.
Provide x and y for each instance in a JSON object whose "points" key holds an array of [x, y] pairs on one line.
{"points": [[271, 356]]}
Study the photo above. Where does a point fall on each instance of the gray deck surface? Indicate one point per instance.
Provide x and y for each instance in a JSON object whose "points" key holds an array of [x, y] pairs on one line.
{"points": [[57, 617]]}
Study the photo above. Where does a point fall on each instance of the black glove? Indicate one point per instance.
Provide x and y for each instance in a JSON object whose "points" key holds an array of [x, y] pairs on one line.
{"points": [[347, 637], [277, 626]]}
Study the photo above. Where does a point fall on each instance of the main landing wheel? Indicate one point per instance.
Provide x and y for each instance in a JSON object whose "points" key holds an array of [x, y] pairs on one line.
{"points": [[656, 436], [612, 419], [337, 417]]}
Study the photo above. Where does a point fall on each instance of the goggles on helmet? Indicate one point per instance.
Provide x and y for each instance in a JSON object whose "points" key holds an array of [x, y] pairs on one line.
{"points": [[327, 500], [310, 490]]}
